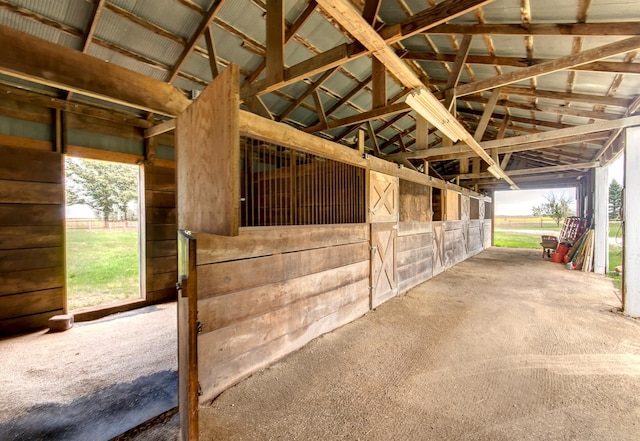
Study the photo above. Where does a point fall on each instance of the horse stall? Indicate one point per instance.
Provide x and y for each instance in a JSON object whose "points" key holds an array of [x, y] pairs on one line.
{"points": [[285, 236]]}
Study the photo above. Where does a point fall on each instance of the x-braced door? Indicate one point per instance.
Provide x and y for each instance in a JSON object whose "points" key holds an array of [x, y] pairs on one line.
{"points": [[383, 215]]}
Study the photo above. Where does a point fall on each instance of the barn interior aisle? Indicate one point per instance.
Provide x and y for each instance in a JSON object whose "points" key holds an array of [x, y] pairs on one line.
{"points": [[502, 346], [95, 381]]}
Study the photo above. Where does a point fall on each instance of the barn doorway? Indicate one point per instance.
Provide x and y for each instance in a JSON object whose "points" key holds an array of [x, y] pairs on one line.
{"points": [[103, 233]]}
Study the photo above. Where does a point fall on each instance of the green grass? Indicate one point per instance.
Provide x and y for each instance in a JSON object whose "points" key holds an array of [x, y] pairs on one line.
{"points": [[102, 267], [615, 259], [516, 240]]}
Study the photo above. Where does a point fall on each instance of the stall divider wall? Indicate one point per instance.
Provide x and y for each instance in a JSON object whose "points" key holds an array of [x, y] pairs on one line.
{"points": [[265, 291]]}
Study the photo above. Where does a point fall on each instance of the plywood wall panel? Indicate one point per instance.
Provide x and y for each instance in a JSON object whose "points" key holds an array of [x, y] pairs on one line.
{"points": [[208, 159]]}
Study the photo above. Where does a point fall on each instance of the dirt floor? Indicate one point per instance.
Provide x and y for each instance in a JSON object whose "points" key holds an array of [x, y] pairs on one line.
{"points": [[93, 382], [504, 346]]}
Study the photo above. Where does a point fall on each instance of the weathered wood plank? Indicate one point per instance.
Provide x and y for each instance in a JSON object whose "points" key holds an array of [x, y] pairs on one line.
{"points": [[30, 258], [45, 62], [161, 232], [257, 242], [412, 228], [31, 215], [162, 248], [31, 280], [165, 199], [321, 259], [228, 277], [30, 237], [160, 281], [28, 322], [221, 311], [411, 256], [231, 341], [406, 243], [216, 377], [161, 215], [159, 265], [22, 192], [42, 166], [414, 274], [160, 181], [17, 305]]}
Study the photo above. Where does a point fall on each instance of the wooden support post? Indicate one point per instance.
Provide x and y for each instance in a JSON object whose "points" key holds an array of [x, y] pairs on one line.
{"points": [[361, 134], [378, 83], [631, 218], [319, 107], [600, 263], [372, 137], [211, 50], [422, 133], [150, 148], [275, 41], [60, 135]]}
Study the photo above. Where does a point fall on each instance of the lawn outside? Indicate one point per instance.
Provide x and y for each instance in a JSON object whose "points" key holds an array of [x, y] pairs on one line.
{"points": [[525, 232], [102, 267]]}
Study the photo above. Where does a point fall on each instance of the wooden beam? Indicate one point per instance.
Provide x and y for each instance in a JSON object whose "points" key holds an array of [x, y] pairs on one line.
{"points": [[339, 55], [532, 171], [598, 66], [459, 151], [319, 107], [370, 11], [372, 137], [431, 17], [486, 116], [33, 59], [193, 41], [542, 29], [289, 34], [310, 90], [458, 65], [257, 106], [93, 23], [275, 41], [378, 83], [211, 50], [360, 117], [159, 129], [588, 56]]}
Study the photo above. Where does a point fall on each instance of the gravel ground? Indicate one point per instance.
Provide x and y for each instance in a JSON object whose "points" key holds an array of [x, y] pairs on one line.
{"points": [[504, 346], [92, 382]]}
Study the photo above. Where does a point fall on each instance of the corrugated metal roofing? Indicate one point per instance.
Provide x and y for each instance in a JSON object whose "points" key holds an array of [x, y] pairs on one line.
{"points": [[239, 36]]}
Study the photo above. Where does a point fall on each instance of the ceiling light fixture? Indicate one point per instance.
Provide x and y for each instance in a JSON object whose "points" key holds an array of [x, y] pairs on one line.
{"points": [[430, 108], [496, 174]]}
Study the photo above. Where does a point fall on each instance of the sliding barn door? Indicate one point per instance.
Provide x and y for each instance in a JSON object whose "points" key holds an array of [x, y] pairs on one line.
{"points": [[383, 215]]}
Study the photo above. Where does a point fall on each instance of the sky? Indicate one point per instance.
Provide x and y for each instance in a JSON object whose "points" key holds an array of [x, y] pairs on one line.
{"points": [[521, 202]]}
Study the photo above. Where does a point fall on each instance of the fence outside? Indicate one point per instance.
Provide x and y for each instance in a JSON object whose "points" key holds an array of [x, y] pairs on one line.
{"points": [[99, 224]]}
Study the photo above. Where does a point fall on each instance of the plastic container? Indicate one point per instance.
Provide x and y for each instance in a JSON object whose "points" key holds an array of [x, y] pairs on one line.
{"points": [[562, 249], [557, 258]]}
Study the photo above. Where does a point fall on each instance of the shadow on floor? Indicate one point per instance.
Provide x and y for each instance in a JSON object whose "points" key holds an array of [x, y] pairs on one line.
{"points": [[99, 416]]}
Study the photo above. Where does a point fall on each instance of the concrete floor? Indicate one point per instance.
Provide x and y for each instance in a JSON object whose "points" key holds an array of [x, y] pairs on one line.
{"points": [[92, 382], [504, 346]]}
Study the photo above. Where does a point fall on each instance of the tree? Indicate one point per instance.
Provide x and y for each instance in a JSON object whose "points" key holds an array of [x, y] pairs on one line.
{"points": [[615, 199], [556, 207], [106, 187]]}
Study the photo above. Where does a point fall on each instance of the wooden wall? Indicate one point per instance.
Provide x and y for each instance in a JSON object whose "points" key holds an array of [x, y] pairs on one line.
{"points": [[161, 230], [31, 238], [269, 291]]}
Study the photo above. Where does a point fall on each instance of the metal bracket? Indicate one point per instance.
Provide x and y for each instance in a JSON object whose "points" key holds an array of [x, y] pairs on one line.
{"points": [[199, 326], [373, 248], [373, 287], [199, 390]]}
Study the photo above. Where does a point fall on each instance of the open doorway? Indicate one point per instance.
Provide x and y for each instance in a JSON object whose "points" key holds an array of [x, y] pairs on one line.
{"points": [[103, 233]]}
